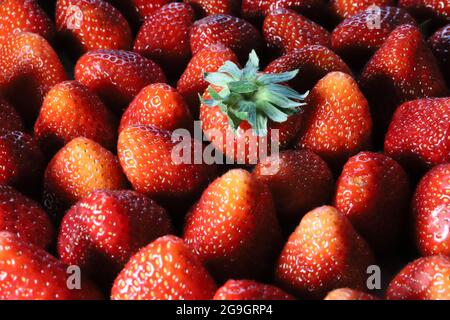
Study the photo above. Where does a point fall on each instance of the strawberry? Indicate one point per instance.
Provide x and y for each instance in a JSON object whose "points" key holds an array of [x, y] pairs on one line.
{"points": [[373, 193], [233, 227], [10, 119], [166, 269], [158, 105], [69, 111], [285, 31], [313, 63], [418, 134], [146, 8], [347, 8], [28, 69], [335, 138], [117, 76], [88, 25], [24, 217], [423, 279], [349, 294], [300, 182], [431, 211], [436, 10], [250, 290], [102, 231], [323, 253], [210, 7], [30, 273], [439, 43], [79, 168]]}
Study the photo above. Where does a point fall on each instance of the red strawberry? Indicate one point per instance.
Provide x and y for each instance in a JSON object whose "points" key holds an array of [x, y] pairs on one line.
{"points": [[250, 290], [69, 111], [347, 8], [158, 105], [285, 31], [300, 181], [423, 279], [349, 294], [92, 24], [323, 253], [146, 8], [209, 7], [337, 120], [30, 273], [418, 134], [313, 63], [439, 43], [117, 76], [233, 227], [79, 168], [431, 211], [437, 10], [373, 193], [28, 69], [166, 269], [24, 217], [10, 120]]}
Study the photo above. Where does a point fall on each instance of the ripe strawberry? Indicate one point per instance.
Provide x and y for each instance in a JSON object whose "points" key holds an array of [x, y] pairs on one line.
{"points": [[418, 134], [285, 31], [232, 32], [349, 294], [347, 8], [69, 111], [166, 269], [437, 10], [101, 232], [30, 273], [10, 120], [373, 193], [300, 181], [431, 211], [337, 120], [158, 105], [117, 76], [88, 25], [146, 8], [28, 69], [323, 253], [79, 168], [313, 63], [209, 7], [423, 279], [250, 290], [439, 43], [233, 227], [24, 217]]}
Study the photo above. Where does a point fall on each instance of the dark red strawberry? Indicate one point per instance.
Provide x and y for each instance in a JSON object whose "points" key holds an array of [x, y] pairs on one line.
{"points": [[347, 8], [10, 120], [250, 290], [209, 7], [437, 10], [439, 43], [349, 294]]}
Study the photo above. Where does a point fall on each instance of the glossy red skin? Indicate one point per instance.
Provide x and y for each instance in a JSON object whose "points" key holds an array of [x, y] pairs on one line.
{"points": [[250, 290], [10, 119], [146, 8], [431, 212], [30, 273], [300, 182], [373, 192], [29, 68], [233, 227], [101, 232], [437, 10], [117, 76], [323, 253], [439, 43], [166, 269], [285, 31], [349, 294], [313, 63], [418, 134], [347, 8], [208, 7], [426, 278], [24, 217]]}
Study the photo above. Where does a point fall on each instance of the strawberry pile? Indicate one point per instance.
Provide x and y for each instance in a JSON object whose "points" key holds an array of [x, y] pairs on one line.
{"points": [[94, 93]]}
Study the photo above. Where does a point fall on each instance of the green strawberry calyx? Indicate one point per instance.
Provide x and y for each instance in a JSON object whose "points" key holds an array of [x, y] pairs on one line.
{"points": [[249, 95]]}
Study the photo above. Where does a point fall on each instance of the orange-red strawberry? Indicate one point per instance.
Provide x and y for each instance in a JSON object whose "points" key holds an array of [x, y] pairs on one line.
{"points": [[233, 227], [426, 278], [250, 290], [87, 25], [24, 217], [285, 31], [30, 273], [158, 105], [439, 43], [166, 269], [29, 67], [431, 211], [436, 10], [10, 119], [349, 294], [79, 168], [347, 8], [373, 193], [323, 253], [418, 134], [337, 120], [117, 76], [209, 7], [299, 181], [69, 111]]}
